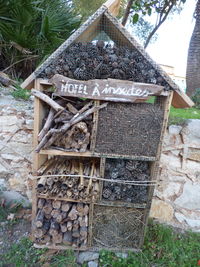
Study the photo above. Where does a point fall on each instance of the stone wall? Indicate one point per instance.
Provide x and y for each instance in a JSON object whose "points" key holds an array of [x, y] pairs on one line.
{"points": [[177, 196], [16, 132]]}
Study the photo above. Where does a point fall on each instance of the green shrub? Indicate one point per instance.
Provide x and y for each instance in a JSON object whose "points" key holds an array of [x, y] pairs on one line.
{"points": [[196, 98]]}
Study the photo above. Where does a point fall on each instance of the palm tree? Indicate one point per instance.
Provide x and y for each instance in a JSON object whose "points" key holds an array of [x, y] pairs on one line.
{"points": [[31, 30], [193, 60]]}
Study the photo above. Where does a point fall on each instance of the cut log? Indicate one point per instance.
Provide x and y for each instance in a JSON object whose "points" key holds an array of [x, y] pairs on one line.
{"points": [[86, 210], [69, 226], [76, 233], [41, 202], [65, 206], [45, 239], [75, 225], [67, 238], [57, 239], [38, 233], [83, 221], [54, 227], [47, 100], [61, 217], [56, 204], [55, 213], [39, 219], [83, 232], [63, 227], [73, 214]]}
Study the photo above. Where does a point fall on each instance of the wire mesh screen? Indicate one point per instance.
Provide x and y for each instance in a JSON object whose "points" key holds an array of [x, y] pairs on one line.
{"points": [[117, 227], [129, 129], [100, 52]]}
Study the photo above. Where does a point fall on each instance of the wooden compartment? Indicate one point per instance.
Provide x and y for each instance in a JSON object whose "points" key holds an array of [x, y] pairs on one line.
{"points": [[117, 228], [69, 178], [128, 181], [61, 223], [126, 129]]}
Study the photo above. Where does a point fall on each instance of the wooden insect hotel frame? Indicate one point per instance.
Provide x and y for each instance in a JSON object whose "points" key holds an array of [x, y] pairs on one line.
{"points": [[97, 138]]}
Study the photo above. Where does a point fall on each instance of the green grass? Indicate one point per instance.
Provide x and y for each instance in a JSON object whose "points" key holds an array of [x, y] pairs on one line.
{"points": [[21, 93], [178, 115], [163, 247]]}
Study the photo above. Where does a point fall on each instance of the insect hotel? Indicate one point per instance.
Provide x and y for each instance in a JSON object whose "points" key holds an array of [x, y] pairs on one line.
{"points": [[97, 137]]}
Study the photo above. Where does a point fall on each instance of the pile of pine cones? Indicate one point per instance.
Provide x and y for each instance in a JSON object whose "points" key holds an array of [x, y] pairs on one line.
{"points": [[119, 169], [86, 61]]}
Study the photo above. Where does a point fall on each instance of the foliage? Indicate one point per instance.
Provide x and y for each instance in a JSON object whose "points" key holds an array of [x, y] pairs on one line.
{"points": [[21, 93], [30, 36], [86, 8], [142, 30], [63, 259], [22, 254], [163, 247], [196, 98], [141, 8], [179, 115]]}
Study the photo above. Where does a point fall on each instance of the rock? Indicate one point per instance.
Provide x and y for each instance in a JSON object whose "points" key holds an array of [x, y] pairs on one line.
{"points": [[8, 124], [193, 223], [190, 198], [161, 210], [168, 190], [92, 264], [180, 217], [15, 197], [87, 256], [174, 129], [3, 185], [11, 157], [191, 132]]}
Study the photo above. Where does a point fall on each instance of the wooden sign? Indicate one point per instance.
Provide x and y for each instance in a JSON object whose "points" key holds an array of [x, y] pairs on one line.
{"points": [[107, 89]]}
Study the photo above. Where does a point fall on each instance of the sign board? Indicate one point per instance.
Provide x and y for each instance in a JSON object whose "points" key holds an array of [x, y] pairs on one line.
{"points": [[106, 89]]}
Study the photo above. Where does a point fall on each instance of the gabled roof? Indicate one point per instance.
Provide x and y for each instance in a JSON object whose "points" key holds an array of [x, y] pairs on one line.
{"points": [[116, 32]]}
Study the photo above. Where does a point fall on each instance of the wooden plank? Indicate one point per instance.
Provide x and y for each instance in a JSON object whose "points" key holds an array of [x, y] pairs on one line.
{"points": [[62, 199], [165, 103], [181, 100], [113, 6], [59, 247], [105, 89], [63, 153], [94, 128], [29, 82], [116, 156]]}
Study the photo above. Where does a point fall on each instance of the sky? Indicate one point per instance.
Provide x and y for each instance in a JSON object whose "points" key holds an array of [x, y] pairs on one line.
{"points": [[174, 35]]}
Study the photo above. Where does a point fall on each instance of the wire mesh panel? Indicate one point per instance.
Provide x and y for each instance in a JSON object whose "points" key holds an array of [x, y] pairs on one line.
{"points": [[129, 129], [117, 227]]}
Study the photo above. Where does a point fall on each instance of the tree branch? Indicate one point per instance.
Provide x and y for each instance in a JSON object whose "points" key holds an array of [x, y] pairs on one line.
{"points": [[161, 20], [127, 12]]}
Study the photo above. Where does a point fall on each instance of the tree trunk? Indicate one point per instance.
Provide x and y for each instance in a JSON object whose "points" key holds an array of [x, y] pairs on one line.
{"points": [[127, 12], [193, 60]]}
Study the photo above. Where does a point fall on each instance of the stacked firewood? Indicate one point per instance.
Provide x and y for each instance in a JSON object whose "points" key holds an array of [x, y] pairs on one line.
{"points": [[61, 222], [129, 170], [74, 186], [68, 124], [100, 60]]}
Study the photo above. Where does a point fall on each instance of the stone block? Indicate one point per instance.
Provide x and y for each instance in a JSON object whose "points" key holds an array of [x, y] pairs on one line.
{"points": [[161, 210], [87, 256], [190, 198]]}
